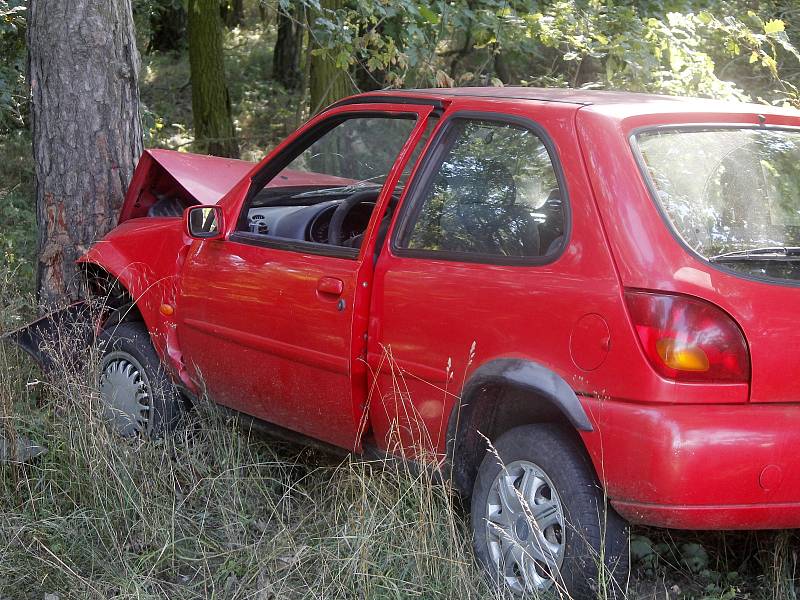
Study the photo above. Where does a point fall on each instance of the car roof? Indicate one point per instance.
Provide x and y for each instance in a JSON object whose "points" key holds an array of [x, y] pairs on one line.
{"points": [[565, 95], [612, 103]]}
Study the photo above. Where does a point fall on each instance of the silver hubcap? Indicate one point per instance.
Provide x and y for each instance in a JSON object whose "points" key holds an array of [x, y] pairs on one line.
{"points": [[525, 527], [125, 392]]}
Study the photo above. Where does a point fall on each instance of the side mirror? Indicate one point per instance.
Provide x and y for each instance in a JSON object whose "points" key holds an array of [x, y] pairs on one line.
{"points": [[204, 222]]}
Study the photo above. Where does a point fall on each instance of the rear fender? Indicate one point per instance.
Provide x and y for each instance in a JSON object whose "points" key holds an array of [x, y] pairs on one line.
{"points": [[499, 395]]}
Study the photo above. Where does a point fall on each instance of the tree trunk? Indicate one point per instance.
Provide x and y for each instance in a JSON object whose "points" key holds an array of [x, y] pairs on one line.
{"points": [[462, 52], [87, 136], [501, 68], [289, 47], [328, 82], [167, 27], [233, 13], [211, 103]]}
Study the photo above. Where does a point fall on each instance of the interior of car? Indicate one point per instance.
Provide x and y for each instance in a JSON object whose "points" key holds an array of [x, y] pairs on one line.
{"points": [[337, 216]]}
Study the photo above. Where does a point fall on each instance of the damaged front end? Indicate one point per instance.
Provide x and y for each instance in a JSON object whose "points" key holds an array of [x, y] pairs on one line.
{"points": [[59, 337], [131, 272]]}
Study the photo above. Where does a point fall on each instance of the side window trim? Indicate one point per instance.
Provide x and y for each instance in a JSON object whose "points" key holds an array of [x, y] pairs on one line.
{"points": [[281, 161], [427, 171]]}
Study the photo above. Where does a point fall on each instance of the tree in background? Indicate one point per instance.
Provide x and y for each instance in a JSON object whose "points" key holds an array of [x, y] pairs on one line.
{"points": [[211, 103], [330, 77], [87, 137], [232, 12], [286, 68], [167, 26]]}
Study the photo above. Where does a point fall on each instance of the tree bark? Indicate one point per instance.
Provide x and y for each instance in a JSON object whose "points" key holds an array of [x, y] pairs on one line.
{"points": [[289, 47], [328, 82], [83, 71], [211, 103], [167, 26]]}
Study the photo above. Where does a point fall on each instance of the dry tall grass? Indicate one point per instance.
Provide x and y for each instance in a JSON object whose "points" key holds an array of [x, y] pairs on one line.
{"points": [[214, 511]]}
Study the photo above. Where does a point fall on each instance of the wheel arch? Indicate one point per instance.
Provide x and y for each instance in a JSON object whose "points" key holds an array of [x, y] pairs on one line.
{"points": [[113, 291], [499, 395]]}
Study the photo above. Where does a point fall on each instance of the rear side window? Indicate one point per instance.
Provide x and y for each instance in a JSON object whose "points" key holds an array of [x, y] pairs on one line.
{"points": [[493, 191]]}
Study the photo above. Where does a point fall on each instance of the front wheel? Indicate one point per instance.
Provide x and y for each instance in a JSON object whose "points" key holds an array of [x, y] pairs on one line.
{"points": [[540, 520], [138, 397]]}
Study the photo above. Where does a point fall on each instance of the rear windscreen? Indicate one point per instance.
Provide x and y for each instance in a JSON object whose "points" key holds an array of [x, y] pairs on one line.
{"points": [[732, 194]]}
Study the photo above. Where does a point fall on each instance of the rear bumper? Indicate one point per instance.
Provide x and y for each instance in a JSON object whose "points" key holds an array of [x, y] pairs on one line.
{"points": [[753, 516], [699, 466]]}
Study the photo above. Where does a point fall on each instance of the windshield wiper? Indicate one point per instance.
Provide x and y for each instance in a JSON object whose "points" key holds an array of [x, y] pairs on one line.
{"points": [[759, 254]]}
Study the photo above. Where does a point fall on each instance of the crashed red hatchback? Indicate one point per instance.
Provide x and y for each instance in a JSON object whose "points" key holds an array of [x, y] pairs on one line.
{"points": [[585, 304]]}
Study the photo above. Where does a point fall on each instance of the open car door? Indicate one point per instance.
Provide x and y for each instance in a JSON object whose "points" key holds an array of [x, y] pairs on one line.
{"points": [[273, 317]]}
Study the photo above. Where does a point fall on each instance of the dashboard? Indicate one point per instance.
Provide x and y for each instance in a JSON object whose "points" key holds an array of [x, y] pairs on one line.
{"points": [[309, 223]]}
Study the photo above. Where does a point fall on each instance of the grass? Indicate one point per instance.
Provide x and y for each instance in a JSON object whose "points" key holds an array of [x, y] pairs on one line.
{"points": [[217, 511], [213, 511]]}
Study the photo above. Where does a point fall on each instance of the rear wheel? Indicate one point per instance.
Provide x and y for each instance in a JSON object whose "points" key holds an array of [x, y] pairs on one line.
{"points": [[137, 395], [540, 521]]}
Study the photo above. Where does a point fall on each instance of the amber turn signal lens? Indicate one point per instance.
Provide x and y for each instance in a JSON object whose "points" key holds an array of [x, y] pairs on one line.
{"points": [[682, 358], [166, 310]]}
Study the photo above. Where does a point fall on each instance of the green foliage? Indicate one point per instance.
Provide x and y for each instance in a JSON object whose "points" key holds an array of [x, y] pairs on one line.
{"points": [[711, 566], [13, 94], [681, 47], [17, 210]]}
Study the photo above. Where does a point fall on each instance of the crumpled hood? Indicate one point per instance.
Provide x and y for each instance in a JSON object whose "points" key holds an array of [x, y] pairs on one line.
{"points": [[166, 182], [205, 178], [179, 179]]}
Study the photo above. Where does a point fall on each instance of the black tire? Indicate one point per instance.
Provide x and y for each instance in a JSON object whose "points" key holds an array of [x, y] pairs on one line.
{"points": [[591, 528], [129, 343]]}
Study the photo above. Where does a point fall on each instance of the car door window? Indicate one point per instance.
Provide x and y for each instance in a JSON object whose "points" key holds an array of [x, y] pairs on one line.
{"points": [[341, 157], [360, 150], [493, 191]]}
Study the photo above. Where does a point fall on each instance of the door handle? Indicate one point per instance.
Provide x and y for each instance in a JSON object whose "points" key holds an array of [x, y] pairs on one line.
{"points": [[330, 285]]}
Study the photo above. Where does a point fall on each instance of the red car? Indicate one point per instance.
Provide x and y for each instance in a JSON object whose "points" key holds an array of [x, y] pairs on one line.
{"points": [[583, 304]]}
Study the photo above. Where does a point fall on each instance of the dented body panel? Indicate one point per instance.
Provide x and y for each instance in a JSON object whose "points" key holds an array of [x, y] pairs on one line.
{"points": [[146, 255], [194, 178], [38, 338], [385, 348]]}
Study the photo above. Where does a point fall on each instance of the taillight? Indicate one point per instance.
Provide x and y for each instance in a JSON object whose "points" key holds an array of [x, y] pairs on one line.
{"points": [[687, 339]]}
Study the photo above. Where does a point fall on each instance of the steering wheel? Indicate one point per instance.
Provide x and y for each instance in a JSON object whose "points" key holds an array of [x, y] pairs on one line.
{"points": [[335, 234]]}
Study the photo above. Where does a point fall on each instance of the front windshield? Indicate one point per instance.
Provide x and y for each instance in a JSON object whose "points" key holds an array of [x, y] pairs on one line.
{"points": [[732, 194]]}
